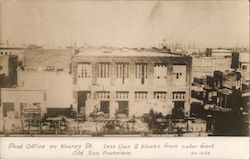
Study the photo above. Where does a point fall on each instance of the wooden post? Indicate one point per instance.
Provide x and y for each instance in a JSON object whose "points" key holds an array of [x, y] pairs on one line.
{"points": [[77, 122], [59, 126], [29, 126], [39, 125]]}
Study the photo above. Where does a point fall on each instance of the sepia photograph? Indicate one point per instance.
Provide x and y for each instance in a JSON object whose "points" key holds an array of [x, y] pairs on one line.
{"points": [[124, 68]]}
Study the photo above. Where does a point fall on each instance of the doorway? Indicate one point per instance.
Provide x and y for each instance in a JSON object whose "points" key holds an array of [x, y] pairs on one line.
{"points": [[122, 109], [104, 107], [178, 110], [81, 100]]}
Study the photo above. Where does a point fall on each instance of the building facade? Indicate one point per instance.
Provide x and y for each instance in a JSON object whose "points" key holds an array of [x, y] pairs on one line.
{"points": [[214, 60], [203, 66], [127, 83], [15, 100], [44, 82]]}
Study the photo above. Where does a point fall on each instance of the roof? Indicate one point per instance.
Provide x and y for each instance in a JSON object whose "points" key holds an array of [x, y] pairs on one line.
{"points": [[9, 47], [59, 58], [124, 52], [222, 50]]}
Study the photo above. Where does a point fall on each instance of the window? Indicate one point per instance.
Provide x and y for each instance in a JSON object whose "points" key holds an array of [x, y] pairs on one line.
{"points": [[244, 67], [84, 70], [122, 71], [121, 95], [160, 95], [141, 95], [122, 108], [141, 72], [179, 75], [105, 95], [104, 106], [160, 71], [104, 70], [179, 95], [8, 109]]}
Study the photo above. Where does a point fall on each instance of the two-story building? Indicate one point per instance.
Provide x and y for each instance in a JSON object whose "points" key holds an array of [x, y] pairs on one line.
{"points": [[130, 82], [44, 82]]}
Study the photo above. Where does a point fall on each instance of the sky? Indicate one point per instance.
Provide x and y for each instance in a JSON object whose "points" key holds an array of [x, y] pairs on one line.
{"points": [[124, 23]]}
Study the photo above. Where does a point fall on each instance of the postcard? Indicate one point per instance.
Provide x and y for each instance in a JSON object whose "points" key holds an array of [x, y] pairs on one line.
{"points": [[124, 79]]}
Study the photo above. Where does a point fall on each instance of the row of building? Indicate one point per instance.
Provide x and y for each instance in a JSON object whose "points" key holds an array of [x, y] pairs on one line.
{"points": [[117, 82], [122, 82], [221, 60], [223, 97]]}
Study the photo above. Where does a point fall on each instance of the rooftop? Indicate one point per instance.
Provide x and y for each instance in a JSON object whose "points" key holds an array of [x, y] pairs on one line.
{"points": [[10, 47], [125, 52], [222, 50]]}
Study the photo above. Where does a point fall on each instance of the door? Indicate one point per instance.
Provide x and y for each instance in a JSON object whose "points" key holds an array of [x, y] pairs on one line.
{"points": [[104, 106], [7, 107], [123, 108], [178, 111], [81, 101]]}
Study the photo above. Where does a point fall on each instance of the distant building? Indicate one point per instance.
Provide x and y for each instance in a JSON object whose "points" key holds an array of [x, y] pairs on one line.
{"points": [[228, 103], [222, 59], [126, 82], [223, 89], [214, 60], [44, 82], [202, 67], [8, 70], [38, 59]]}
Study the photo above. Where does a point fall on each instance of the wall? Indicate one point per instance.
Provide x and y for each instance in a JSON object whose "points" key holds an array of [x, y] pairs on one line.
{"points": [[150, 86], [57, 86], [202, 66], [222, 64], [18, 96]]}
